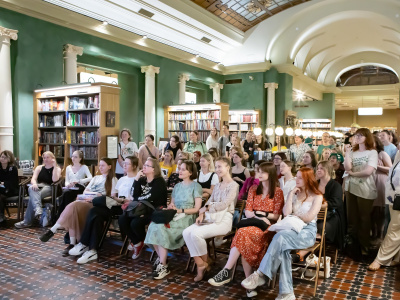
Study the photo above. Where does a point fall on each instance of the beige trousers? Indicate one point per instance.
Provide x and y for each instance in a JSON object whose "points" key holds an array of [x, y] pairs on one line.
{"points": [[390, 247]]}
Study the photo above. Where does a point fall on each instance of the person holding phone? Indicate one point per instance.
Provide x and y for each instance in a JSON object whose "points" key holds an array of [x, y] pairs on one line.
{"points": [[40, 188], [220, 207]]}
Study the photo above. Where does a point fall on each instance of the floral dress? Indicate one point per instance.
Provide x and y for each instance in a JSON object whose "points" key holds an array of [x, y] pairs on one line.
{"points": [[171, 238], [251, 241]]}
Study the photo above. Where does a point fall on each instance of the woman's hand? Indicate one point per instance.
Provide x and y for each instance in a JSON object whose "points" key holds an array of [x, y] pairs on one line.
{"points": [[202, 210], [237, 179], [88, 200], [200, 219], [99, 194], [171, 206], [139, 174], [35, 187], [54, 163], [266, 220], [295, 190], [351, 173]]}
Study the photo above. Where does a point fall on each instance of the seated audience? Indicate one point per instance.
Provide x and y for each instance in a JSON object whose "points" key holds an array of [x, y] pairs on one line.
{"points": [[194, 144], [148, 150], [77, 176], [326, 153], [186, 200], [264, 202], [305, 202], [173, 179], [196, 159], [74, 216], [125, 148], [40, 188], [278, 158], [8, 181], [262, 143], [175, 146], [299, 148], [168, 164], [287, 182], [336, 160], [212, 140], [219, 208], [248, 146], [207, 178], [150, 192], [235, 142], [282, 142], [213, 152], [249, 182], [309, 160], [239, 172]]}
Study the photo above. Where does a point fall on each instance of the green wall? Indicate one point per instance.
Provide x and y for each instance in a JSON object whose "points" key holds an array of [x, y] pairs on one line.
{"points": [[37, 61], [324, 109]]}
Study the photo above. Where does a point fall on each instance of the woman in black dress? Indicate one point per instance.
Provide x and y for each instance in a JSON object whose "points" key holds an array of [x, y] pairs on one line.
{"points": [[8, 181]]}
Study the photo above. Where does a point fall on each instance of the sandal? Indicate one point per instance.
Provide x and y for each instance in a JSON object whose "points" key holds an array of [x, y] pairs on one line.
{"points": [[201, 270], [372, 266]]}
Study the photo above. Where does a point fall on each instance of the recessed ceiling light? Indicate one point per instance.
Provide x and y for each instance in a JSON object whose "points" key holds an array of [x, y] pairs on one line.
{"points": [[105, 23], [197, 55]]}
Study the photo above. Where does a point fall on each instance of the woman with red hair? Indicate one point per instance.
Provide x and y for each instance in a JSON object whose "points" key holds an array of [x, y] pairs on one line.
{"points": [[304, 201]]}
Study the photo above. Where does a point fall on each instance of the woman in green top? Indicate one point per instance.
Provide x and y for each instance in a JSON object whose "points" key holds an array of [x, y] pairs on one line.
{"points": [[194, 144], [186, 199]]}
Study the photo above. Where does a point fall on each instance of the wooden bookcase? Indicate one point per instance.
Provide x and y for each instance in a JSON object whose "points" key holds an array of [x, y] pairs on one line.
{"points": [[242, 121], [181, 119], [73, 118]]}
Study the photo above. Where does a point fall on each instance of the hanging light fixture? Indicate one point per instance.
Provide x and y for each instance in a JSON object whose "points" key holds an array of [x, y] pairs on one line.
{"points": [[279, 130], [257, 131], [298, 132], [269, 131], [289, 131]]}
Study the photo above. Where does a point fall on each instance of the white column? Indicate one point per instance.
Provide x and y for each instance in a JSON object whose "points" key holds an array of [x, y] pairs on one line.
{"points": [[150, 99], [216, 87], [6, 111], [272, 86], [71, 53], [182, 87]]}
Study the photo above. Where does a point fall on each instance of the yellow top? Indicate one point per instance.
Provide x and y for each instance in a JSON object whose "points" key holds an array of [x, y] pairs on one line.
{"points": [[167, 169], [275, 149]]}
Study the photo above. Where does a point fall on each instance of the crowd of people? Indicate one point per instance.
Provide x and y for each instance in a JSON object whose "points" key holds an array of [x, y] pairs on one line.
{"points": [[187, 194]]}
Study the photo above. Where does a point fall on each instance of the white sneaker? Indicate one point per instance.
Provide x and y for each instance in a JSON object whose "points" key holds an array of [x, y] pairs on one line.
{"points": [[253, 281], [290, 296], [78, 249], [38, 211], [130, 247], [161, 272], [21, 225], [251, 293], [87, 256]]}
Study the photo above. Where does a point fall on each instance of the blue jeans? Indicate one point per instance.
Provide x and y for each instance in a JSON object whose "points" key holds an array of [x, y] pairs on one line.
{"points": [[278, 254], [35, 202]]}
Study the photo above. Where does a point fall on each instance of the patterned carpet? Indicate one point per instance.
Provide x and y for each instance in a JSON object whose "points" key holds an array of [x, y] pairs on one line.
{"points": [[30, 269]]}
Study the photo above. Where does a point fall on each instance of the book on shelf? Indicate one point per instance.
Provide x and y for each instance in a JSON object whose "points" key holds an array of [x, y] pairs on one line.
{"points": [[233, 118], [244, 126], [88, 152], [83, 119], [51, 121], [52, 137], [233, 127], [84, 102], [58, 151], [51, 105], [249, 118], [180, 116], [83, 137]]}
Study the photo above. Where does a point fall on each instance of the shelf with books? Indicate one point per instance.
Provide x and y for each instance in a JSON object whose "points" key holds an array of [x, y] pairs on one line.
{"points": [[83, 117], [181, 119], [322, 124], [242, 121]]}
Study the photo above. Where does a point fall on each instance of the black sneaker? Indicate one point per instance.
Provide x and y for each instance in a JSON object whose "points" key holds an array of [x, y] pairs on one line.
{"points": [[161, 272], [46, 236], [224, 276], [66, 250]]}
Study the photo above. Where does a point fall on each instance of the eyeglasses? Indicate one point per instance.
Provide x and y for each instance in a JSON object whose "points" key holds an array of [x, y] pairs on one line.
{"points": [[147, 166], [358, 135], [277, 158]]}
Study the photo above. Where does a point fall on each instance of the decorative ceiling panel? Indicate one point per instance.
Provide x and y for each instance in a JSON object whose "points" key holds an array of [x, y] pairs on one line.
{"points": [[244, 14]]}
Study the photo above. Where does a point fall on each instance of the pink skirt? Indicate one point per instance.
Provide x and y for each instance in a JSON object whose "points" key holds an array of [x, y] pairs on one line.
{"points": [[74, 216]]}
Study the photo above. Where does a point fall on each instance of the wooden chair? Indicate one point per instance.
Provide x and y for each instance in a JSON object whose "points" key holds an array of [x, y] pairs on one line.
{"points": [[13, 201], [317, 249]]}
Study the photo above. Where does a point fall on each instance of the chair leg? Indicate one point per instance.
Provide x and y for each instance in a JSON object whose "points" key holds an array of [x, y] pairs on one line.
{"points": [[124, 248], [8, 211], [336, 255], [152, 255], [105, 232], [188, 263], [234, 269]]}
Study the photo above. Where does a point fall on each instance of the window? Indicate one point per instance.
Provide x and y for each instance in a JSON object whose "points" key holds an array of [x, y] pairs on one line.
{"points": [[190, 97]]}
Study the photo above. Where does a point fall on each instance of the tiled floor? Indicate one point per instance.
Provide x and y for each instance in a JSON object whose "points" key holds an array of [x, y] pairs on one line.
{"points": [[30, 269]]}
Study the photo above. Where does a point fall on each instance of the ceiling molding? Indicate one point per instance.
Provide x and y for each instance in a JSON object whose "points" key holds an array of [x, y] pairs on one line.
{"points": [[247, 68]]}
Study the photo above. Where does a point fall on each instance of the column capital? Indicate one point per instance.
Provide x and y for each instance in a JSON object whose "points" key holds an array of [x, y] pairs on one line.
{"points": [[184, 77], [9, 33], [68, 48], [216, 85], [150, 70], [271, 85]]}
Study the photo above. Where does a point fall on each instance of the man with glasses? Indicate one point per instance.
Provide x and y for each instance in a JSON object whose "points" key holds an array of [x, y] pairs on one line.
{"points": [[325, 144]]}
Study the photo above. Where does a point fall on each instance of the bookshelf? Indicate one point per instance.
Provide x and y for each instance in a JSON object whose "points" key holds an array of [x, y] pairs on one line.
{"points": [[242, 121], [73, 117], [316, 124], [181, 119]]}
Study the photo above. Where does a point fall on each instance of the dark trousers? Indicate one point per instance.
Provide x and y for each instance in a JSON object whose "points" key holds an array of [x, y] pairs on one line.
{"points": [[95, 223], [67, 197], [134, 228], [2, 207]]}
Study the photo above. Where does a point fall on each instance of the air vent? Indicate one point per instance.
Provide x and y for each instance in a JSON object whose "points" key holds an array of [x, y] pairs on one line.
{"points": [[233, 81], [145, 13], [301, 106], [387, 99], [206, 40], [389, 103]]}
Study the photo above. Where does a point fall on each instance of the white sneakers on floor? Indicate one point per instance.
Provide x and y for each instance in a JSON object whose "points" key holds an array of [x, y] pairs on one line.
{"points": [[87, 256], [290, 296], [253, 281], [78, 249]]}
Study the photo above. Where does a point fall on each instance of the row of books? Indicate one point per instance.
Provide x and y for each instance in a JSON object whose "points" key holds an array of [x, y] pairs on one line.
{"points": [[52, 137], [211, 114], [194, 125], [83, 119], [316, 125], [185, 135], [84, 102], [242, 127], [51, 105], [57, 150], [83, 137], [88, 152], [51, 121], [243, 118]]}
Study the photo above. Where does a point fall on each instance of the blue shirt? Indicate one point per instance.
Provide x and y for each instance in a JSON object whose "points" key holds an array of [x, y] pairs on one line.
{"points": [[391, 150]]}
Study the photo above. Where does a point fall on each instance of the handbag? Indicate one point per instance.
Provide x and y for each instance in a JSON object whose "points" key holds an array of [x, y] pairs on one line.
{"points": [[252, 222], [290, 222], [163, 216], [215, 217], [312, 261]]}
